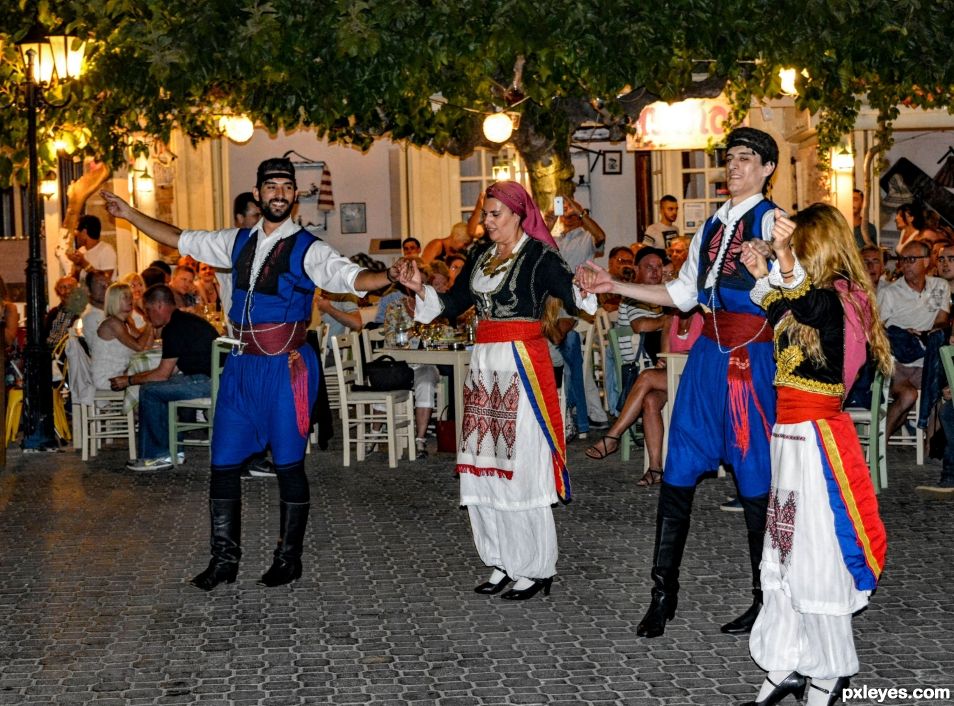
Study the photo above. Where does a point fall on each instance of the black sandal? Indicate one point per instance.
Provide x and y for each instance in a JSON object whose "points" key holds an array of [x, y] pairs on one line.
{"points": [[598, 455], [652, 476]]}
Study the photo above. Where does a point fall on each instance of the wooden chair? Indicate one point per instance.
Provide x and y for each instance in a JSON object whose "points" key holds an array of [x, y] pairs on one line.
{"points": [[220, 349], [601, 328], [370, 417], [870, 425], [626, 438]]}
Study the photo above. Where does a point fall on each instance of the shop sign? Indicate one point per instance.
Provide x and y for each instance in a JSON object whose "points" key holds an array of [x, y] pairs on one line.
{"points": [[691, 124]]}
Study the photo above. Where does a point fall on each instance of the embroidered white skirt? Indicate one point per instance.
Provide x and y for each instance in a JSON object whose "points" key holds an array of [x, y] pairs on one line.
{"points": [[506, 468], [809, 595]]}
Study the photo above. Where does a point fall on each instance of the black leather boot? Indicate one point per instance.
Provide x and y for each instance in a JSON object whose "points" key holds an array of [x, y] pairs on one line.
{"points": [[672, 530], [226, 544], [286, 567], [755, 509]]}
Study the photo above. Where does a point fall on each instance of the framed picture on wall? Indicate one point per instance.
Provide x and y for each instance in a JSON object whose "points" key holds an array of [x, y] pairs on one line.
{"points": [[354, 218], [613, 162]]}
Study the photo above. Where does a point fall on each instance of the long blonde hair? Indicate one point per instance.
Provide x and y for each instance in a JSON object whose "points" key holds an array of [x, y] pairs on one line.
{"points": [[826, 249]]}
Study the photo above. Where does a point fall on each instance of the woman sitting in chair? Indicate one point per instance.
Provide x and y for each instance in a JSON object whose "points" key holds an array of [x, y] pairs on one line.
{"points": [[646, 399], [117, 338]]}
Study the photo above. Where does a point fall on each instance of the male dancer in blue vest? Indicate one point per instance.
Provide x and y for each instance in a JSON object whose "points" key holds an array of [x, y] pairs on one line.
{"points": [[725, 406], [270, 381]]}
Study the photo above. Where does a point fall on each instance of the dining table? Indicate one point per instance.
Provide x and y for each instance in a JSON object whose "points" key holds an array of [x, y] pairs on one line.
{"points": [[457, 357]]}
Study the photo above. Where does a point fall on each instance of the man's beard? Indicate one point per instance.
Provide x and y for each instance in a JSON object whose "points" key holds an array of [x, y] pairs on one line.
{"points": [[273, 216]]}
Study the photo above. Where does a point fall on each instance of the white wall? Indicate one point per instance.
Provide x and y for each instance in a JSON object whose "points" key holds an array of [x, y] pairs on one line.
{"points": [[356, 177], [611, 198]]}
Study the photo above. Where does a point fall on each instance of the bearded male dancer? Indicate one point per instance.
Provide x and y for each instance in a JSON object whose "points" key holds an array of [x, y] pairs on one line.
{"points": [[269, 383], [725, 405]]}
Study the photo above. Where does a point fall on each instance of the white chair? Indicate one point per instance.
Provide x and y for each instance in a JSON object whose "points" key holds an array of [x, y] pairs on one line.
{"points": [[102, 413], [904, 437], [370, 417]]}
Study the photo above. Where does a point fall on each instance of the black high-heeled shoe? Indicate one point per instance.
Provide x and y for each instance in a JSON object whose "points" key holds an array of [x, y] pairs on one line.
{"points": [[538, 584], [793, 684], [834, 696], [489, 588]]}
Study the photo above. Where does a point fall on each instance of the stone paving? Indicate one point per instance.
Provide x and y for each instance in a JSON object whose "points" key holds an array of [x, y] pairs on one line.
{"points": [[95, 608]]}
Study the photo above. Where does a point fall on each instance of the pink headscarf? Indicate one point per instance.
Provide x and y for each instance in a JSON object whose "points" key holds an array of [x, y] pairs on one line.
{"points": [[516, 198]]}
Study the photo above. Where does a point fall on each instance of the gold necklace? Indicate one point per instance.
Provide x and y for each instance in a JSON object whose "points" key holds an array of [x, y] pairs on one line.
{"points": [[495, 264]]}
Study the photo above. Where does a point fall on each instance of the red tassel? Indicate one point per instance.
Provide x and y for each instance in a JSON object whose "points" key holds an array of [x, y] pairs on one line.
{"points": [[741, 390], [298, 374]]}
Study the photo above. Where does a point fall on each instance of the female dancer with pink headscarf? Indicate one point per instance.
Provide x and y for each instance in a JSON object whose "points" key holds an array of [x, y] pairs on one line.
{"points": [[512, 456]]}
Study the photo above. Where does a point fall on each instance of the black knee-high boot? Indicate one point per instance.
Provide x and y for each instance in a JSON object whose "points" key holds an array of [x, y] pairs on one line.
{"points": [[672, 530], [226, 544], [293, 519], [225, 511], [755, 510]]}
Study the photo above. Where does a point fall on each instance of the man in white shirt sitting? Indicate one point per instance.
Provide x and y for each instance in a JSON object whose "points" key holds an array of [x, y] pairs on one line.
{"points": [[917, 304]]}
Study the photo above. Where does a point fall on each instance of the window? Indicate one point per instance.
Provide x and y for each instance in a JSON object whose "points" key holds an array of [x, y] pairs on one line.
{"points": [[481, 169], [703, 187], [14, 212]]}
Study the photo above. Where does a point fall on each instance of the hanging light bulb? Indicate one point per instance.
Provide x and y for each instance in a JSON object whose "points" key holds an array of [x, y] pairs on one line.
{"points": [[498, 127], [238, 128]]}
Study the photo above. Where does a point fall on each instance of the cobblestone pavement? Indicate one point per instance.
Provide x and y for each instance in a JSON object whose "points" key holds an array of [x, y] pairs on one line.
{"points": [[95, 608]]}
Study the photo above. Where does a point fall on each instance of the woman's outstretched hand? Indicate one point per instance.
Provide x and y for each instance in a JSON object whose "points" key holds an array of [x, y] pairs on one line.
{"points": [[409, 276], [591, 278]]}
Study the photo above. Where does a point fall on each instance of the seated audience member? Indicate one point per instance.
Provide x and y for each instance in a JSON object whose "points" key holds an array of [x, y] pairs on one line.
{"points": [[152, 276], [647, 398], [207, 288], [165, 267], [184, 373], [117, 337], [455, 263], [398, 315], [138, 287], [622, 266], [93, 315], [638, 352], [678, 251], [411, 247], [442, 248], [945, 267], [60, 318], [183, 287], [873, 258], [340, 312], [911, 308]]}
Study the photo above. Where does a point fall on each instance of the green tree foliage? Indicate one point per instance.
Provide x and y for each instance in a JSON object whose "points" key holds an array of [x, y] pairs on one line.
{"points": [[356, 70]]}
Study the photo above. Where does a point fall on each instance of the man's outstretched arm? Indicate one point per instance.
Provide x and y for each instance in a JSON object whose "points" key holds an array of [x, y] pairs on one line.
{"points": [[163, 232]]}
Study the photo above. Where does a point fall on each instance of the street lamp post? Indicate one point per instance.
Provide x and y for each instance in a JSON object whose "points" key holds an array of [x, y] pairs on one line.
{"points": [[43, 58]]}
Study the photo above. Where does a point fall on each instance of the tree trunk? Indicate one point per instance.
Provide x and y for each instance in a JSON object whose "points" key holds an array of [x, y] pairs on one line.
{"points": [[551, 174]]}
